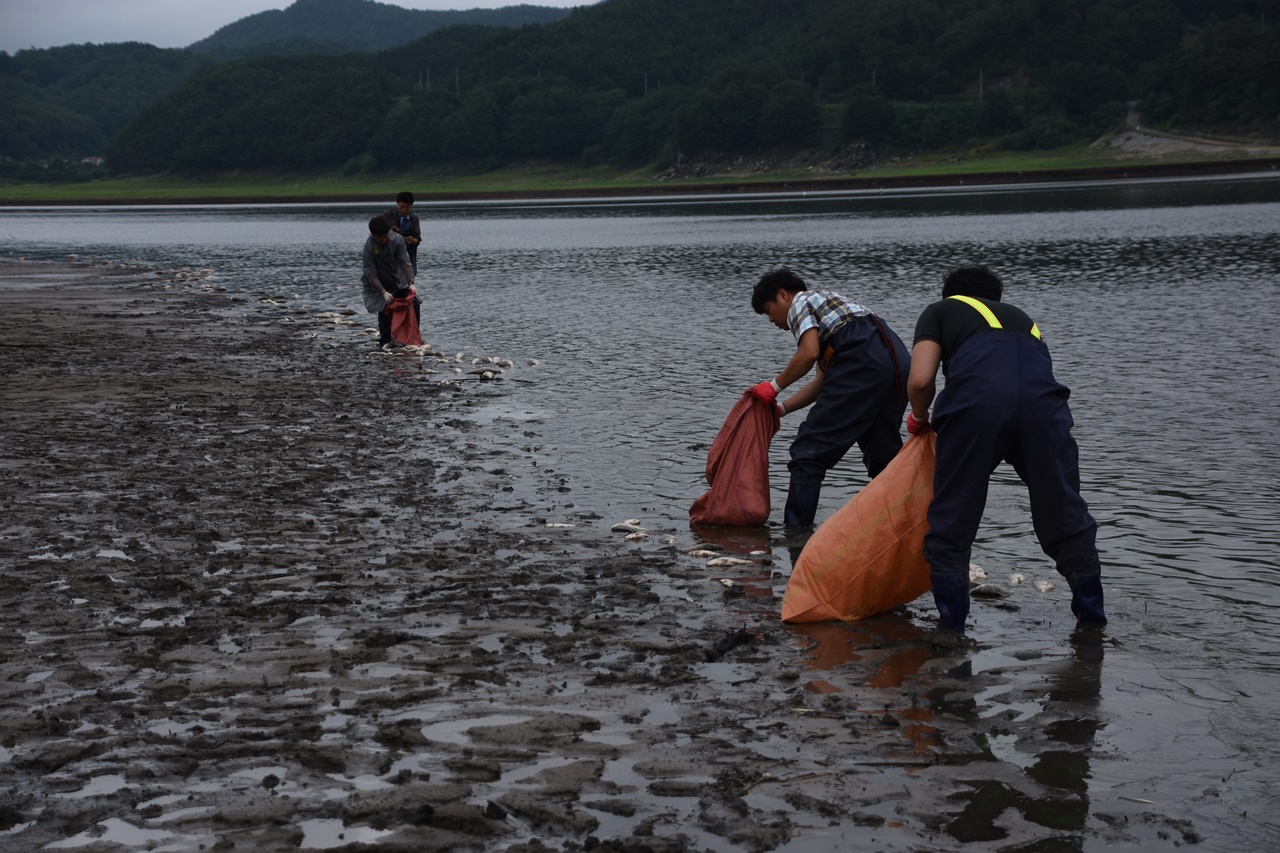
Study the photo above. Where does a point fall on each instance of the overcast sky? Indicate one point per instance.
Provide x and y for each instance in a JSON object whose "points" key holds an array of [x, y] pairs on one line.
{"points": [[164, 23]]}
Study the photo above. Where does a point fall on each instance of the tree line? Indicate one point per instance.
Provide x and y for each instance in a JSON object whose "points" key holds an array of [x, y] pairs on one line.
{"points": [[643, 81]]}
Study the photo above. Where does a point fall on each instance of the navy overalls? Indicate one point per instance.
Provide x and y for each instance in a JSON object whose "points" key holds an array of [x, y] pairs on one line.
{"points": [[1002, 402], [861, 401]]}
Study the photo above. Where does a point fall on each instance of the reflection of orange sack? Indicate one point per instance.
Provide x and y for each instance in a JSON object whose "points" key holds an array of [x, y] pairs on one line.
{"points": [[869, 556]]}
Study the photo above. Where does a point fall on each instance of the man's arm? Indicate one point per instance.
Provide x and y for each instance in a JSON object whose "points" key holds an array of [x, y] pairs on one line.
{"points": [[926, 356], [806, 355], [805, 395]]}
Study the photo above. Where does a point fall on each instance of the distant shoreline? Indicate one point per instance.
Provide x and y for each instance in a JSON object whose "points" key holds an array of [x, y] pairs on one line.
{"points": [[718, 186]]}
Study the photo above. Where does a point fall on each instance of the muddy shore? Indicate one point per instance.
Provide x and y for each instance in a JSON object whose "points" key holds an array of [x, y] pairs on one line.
{"points": [[264, 588]]}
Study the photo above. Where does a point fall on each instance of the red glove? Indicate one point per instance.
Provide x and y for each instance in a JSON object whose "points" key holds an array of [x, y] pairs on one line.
{"points": [[917, 427], [765, 392]]}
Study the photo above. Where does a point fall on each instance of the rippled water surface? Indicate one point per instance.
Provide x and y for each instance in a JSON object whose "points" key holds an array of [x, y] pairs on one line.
{"points": [[1159, 301]]}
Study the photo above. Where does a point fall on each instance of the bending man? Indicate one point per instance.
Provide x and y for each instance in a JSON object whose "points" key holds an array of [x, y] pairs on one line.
{"points": [[858, 392], [1000, 402], [387, 275]]}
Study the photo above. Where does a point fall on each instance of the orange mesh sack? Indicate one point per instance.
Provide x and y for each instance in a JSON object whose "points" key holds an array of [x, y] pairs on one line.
{"points": [[869, 556], [738, 467]]}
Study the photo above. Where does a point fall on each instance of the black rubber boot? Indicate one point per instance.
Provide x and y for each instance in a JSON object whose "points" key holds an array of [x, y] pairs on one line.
{"points": [[1086, 599], [802, 504], [951, 595]]}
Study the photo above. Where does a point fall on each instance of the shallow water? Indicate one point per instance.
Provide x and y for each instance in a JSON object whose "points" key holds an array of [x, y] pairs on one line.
{"points": [[1157, 299]]}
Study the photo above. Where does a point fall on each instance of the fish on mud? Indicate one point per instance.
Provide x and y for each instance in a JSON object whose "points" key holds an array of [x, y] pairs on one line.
{"points": [[631, 525], [724, 562], [560, 525]]}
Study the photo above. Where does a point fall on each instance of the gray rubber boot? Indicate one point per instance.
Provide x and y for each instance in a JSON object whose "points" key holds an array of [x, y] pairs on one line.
{"points": [[1086, 599], [802, 504], [951, 595]]}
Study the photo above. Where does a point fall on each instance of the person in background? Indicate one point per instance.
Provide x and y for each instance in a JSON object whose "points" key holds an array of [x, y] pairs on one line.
{"points": [[406, 223], [858, 392], [387, 275], [1001, 402]]}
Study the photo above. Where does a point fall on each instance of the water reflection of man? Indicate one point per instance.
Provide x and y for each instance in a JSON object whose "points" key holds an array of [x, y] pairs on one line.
{"points": [[1001, 403], [858, 392], [1062, 765]]}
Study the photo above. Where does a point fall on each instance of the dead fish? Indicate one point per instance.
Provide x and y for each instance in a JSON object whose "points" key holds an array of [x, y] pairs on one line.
{"points": [[504, 362], [487, 375], [702, 552], [533, 362], [976, 572], [1017, 578], [1043, 586], [987, 590], [637, 536], [631, 525], [724, 562], [726, 582], [560, 525]]}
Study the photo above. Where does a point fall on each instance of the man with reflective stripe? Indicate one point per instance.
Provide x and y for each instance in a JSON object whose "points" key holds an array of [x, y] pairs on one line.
{"points": [[858, 392], [1001, 402]]}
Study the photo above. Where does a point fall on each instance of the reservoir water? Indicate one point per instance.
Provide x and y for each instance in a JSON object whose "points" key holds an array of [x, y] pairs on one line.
{"points": [[1158, 299]]}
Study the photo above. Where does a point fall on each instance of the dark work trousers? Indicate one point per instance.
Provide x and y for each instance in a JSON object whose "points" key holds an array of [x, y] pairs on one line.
{"points": [[1001, 402], [384, 322], [861, 401]]}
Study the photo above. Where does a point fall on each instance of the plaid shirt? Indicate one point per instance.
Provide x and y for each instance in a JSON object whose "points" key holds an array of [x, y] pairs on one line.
{"points": [[823, 310]]}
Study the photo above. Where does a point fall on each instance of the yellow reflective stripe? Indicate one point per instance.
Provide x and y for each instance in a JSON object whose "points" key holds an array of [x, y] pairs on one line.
{"points": [[981, 309], [988, 316]]}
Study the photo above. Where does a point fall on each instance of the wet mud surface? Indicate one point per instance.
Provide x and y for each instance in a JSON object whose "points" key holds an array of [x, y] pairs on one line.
{"points": [[263, 588]]}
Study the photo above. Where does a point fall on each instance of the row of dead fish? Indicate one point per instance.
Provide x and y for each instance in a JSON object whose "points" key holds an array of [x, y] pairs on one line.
{"points": [[979, 586]]}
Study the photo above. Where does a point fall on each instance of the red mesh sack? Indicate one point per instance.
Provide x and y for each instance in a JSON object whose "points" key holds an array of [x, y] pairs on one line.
{"points": [[738, 467]]}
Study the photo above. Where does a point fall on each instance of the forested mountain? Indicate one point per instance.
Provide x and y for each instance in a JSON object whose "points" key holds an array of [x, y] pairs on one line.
{"points": [[61, 104], [68, 101], [342, 26], [639, 81], [642, 80]]}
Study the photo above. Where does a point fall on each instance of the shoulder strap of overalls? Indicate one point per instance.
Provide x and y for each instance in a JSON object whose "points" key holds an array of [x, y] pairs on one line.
{"points": [[989, 316]]}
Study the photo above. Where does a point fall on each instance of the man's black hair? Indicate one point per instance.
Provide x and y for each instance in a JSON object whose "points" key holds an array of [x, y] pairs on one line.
{"points": [[406, 197], [770, 283], [379, 226], [972, 281]]}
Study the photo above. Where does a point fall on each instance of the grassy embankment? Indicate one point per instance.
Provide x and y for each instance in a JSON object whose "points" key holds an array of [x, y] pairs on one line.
{"points": [[551, 180]]}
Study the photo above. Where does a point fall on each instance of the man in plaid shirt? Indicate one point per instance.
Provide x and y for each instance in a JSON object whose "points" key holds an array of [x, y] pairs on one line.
{"points": [[858, 393]]}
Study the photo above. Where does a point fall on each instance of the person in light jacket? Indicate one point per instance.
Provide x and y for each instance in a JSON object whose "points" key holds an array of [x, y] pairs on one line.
{"points": [[388, 274]]}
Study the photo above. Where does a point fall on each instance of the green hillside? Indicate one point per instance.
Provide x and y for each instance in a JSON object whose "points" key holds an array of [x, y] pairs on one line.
{"points": [[634, 81], [672, 82]]}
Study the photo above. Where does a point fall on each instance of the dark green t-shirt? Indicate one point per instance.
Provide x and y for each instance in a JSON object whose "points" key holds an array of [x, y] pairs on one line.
{"points": [[951, 322]]}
